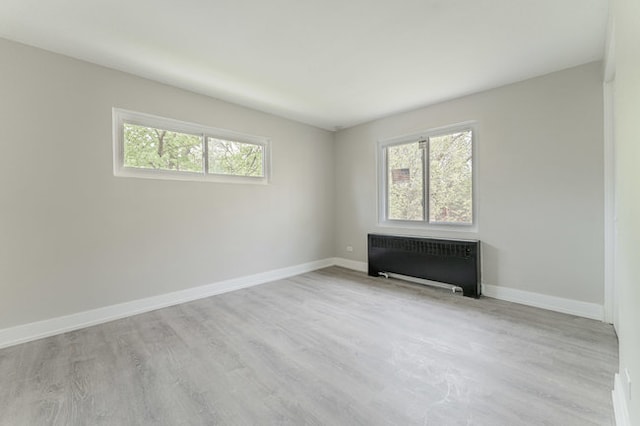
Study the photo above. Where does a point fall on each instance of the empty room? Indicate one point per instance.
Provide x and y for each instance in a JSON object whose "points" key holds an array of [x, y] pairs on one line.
{"points": [[329, 213]]}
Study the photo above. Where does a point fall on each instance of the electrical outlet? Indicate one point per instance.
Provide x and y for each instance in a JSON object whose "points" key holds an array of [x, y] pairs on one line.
{"points": [[627, 376], [349, 249]]}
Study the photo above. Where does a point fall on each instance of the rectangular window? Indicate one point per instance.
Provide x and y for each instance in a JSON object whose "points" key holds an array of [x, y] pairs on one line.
{"points": [[155, 147], [428, 178]]}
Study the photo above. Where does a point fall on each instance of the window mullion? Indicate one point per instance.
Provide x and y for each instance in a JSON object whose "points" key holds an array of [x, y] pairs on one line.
{"points": [[205, 153], [386, 181], [425, 192]]}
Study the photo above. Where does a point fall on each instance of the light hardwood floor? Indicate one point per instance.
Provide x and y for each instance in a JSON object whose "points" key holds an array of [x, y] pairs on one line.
{"points": [[332, 347]]}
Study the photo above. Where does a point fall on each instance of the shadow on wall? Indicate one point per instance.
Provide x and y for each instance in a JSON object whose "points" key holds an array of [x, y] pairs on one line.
{"points": [[489, 263]]}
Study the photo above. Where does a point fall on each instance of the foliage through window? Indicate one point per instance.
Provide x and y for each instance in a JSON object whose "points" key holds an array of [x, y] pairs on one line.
{"points": [[151, 148], [235, 158], [429, 178], [148, 146]]}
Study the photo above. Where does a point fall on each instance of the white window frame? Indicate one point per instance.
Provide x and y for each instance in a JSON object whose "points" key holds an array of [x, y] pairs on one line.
{"points": [[122, 116], [381, 154]]}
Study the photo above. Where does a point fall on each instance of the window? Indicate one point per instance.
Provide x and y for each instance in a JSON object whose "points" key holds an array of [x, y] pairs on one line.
{"points": [[428, 178], [156, 147]]}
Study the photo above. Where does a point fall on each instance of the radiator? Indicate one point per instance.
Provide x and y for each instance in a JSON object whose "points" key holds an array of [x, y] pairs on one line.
{"points": [[455, 262]]}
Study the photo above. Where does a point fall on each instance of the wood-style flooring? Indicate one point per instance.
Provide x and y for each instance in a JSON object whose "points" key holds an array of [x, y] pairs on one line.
{"points": [[331, 347]]}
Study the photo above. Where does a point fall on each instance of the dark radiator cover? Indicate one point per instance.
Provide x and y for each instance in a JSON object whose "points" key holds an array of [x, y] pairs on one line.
{"points": [[454, 262]]}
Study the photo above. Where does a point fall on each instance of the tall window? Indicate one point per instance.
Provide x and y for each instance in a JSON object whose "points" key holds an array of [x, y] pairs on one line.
{"points": [[156, 147], [428, 178]]}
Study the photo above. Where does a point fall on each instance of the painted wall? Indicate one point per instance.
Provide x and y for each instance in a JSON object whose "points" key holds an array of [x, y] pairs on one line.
{"points": [[73, 237], [540, 184], [627, 148]]}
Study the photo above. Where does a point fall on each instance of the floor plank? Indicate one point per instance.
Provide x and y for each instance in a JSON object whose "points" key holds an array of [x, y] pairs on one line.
{"points": [[331, 347]]}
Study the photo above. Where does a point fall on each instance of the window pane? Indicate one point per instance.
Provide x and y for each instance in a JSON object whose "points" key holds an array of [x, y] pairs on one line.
{"points": [[450, 178], [149, 148], [405, 182], [235, 158]]}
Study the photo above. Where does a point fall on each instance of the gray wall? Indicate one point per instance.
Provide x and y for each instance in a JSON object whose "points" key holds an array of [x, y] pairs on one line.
{"points": [[627, 147], [73, 237], [540, 181]]}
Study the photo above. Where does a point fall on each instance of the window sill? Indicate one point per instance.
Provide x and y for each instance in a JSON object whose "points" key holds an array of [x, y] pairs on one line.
{"points": [[188, 176]]}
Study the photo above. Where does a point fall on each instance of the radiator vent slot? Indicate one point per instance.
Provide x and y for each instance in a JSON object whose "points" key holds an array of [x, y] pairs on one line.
{"points": [[429, 247], [455, 262]]}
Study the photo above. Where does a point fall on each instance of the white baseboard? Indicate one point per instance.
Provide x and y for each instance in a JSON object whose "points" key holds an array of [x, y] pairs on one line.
{"points": [[552, 303], [37, 330], [620, 403], [40, 329], [351, 264]]}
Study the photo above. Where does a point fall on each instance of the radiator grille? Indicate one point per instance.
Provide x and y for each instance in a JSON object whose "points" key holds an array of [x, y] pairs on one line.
{"points": [[429, 247]]}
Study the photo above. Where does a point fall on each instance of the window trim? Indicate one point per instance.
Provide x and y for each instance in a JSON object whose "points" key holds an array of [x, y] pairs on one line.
{"points": [[122, 116], [381, 160]]}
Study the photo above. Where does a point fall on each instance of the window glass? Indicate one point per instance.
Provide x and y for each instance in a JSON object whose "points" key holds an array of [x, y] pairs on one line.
{"points": [[150, 148], [235, 158], [450, 178], [405, 181]]}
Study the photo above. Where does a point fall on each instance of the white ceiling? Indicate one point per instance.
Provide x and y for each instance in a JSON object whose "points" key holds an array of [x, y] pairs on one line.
{"points": [[329, 63]]}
